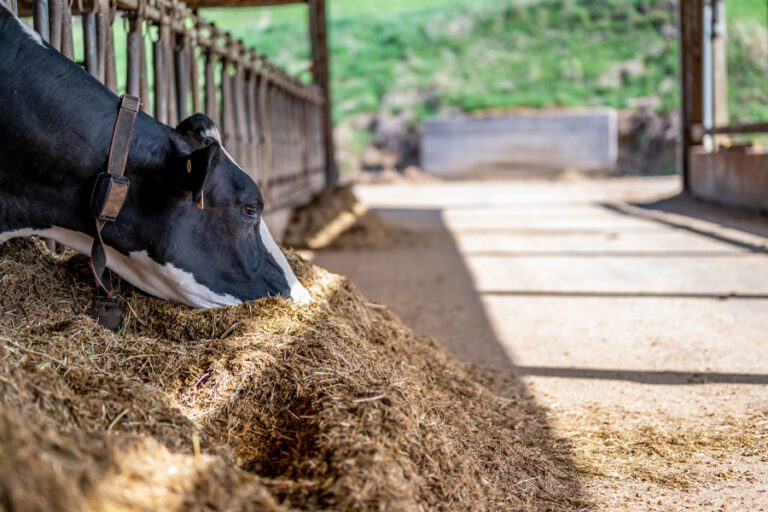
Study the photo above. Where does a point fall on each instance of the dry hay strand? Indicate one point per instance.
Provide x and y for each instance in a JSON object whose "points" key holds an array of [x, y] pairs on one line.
{"points": [[263, 406], [665, 451], [336, 219]]}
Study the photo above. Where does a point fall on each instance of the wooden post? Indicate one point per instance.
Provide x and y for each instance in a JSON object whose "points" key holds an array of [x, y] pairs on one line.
{"points": [[318, 32], [691, 112], [720, 68]]}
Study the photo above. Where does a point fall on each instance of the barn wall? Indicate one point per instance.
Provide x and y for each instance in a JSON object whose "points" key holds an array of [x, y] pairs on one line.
{"points": [[736, 179], [584, 140]]}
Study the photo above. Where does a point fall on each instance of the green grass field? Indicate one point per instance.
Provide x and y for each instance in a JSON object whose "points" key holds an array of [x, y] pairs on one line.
{"points": [[431, 56], [489, 54]]}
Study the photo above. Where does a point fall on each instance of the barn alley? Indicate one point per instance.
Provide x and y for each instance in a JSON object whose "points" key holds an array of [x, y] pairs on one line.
{"points": [[625, 309]]}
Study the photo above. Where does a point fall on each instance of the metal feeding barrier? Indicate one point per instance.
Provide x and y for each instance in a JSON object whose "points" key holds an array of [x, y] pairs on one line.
{"points": [[273, 124]]}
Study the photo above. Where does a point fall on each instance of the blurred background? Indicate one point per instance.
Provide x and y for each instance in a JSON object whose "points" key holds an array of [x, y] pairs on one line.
{"points": [[397, 63]]}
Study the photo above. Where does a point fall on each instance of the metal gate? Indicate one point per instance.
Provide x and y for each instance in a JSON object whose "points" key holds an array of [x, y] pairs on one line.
{"points": [[178, 63]]}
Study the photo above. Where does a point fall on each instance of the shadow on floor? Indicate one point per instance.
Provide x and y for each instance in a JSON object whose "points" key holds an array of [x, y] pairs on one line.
{"points": [[427, 284], [685, 206]]}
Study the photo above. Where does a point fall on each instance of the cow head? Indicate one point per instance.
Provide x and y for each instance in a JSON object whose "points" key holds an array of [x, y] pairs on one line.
{"points": [[191, 229], [194, 232]]}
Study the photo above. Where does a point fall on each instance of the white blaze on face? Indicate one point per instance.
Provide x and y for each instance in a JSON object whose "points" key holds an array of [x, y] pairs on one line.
{"points": [[299, 294]]}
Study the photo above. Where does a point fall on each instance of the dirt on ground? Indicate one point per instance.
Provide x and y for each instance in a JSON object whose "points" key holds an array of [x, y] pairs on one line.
{"points": [[265, 406]]}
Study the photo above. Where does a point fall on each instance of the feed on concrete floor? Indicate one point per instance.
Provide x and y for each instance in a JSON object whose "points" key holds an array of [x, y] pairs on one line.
{"points": [[336, 219]]}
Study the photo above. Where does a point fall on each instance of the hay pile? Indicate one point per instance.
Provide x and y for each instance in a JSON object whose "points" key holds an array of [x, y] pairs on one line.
{"points": [[258, 407], [336, 219]]}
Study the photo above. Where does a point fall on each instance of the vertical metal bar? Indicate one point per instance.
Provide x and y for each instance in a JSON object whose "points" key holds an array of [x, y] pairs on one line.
{"points": [[279, 161], [102, 27], [170, 76], [194, 71], [167, 45], [14, 6], [135, 47], [227, 121], [182, 77], [161, 95], [238, 111], [144, 75], [55, 8], [266, 139], [67, 43], [110, 70], [40, 19], [211, 108], [245, 120], [89, 41], [303, 136], [251, 129]]}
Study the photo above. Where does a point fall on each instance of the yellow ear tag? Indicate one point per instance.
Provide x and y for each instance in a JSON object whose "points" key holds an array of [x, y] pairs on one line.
{"points": [[189, 166], [201, 202]]}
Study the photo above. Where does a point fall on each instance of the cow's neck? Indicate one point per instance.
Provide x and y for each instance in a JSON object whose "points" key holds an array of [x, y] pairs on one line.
{"points": [[55, 134]]}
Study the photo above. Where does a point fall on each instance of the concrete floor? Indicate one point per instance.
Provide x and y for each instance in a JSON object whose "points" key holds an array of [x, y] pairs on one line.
{"points": [[602, 296]]}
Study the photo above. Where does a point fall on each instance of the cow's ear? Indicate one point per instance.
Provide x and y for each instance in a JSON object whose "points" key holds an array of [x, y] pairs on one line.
{"points": [[193, 171]]}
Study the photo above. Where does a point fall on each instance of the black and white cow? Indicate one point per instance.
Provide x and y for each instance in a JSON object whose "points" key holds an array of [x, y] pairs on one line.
{"points": [[56, 124]]}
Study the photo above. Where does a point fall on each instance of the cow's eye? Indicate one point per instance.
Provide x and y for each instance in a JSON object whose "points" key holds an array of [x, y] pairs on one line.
{"points": [[251, 211]]}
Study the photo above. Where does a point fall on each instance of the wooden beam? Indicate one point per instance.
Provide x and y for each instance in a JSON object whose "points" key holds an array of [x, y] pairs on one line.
{"points": [[318, 34], [25, 7], [691, 107], [241, 3]]}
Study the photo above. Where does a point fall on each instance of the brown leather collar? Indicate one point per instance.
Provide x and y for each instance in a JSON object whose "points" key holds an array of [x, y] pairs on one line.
{"points": [[107, 200]]}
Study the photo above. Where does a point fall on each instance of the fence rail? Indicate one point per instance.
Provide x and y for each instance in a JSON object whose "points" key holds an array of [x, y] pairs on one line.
{"points": [[271, 122]]}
